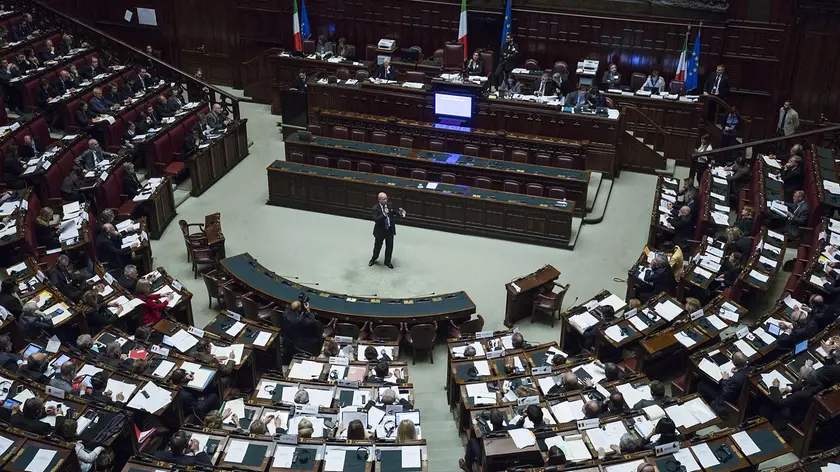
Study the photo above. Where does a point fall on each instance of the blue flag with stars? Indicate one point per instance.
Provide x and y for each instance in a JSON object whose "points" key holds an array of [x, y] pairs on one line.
{"points": [[506, 27], [693, 71], [305, 31]]}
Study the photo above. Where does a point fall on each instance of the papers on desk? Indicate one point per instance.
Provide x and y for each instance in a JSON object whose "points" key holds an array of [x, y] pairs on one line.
{"points": [[720, 218], [165, 289], [58, 318], [283, 456], [572, 446], [764, 335], [411, 457], [686, 459], [682, 416], [522, 438], [157, 399], [771, 162], [745, 348], [201, 375], [306, 370], [729, 315], [41, 461], [127, 305], [568, 411], [626, 466], [609, 435], [335, 460], [716, 322], [745, 443], [238, 351], [614, 333], [638, 323], [769, 377], [778, 207], [237, 407], [684, 339], [668, 310], [236, 450], [583, 320], [163, 369], [458, 351], [116, 387], [614, 301], [634, 395]]}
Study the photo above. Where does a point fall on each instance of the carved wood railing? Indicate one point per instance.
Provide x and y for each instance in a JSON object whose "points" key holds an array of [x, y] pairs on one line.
{"points": [[643, 146], [256, 76], [823, 136], [721, 111]]}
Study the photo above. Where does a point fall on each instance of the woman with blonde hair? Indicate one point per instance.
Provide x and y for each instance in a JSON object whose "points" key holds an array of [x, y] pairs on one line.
{"points": [[406, 431], [46, 233], [745, 220]]}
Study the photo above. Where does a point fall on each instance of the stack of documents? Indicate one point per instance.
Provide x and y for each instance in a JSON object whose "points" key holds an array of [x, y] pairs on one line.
{"points": [[155, 398]]}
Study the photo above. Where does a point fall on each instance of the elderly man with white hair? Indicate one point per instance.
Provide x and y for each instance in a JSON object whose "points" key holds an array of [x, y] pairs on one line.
{"points": [[659, 279], [384, 228], [92, 157], [33, 320]]}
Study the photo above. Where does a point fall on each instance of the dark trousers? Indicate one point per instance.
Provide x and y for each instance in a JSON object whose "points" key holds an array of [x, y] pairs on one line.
{"points": [[389, 247]]}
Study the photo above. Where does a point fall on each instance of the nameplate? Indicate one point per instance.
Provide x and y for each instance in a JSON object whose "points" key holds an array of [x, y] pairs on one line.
{"points": [[343, 339], [697, 315], [750, 337], [630, 313], [347, 383], [546, 369], [40, 275], [308, 409], [532, 400], [483, 334], [666, 449], [391, 409], [109, 278], [286, 439], [177, 286], [235, 316], [195, 331], [591, 305], [339, 361], [742, 332], [56, 392], [583, 425], [161, 351], [495, 354]]}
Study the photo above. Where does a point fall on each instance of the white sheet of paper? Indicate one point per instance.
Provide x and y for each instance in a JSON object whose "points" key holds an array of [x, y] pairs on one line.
{"points": [[685, 458], [335, 460], [614, 333], [624, 467], [306, 370], [163, 368], [705, 455], [745, 443], [41, 461], [262, 338], [522, 438], [483, 368], [411, 457], [668, 310], [745, 348], [700, 410], [236, 451], [283, 456], [115, 386], [5, 444]]}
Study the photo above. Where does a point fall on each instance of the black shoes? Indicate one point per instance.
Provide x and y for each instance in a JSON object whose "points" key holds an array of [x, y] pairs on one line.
{"points": [[371, 262], [389, 265]]}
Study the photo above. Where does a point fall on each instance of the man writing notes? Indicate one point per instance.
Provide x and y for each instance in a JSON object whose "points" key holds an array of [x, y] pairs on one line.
{"points": [[384, 229]]}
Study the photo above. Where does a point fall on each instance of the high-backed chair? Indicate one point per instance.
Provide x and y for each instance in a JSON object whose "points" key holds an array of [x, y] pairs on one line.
{"points": [[549, 303], [308, 46], [232, 295], [214, 290], [436, 145], [510, 186], [255, 309], [358, 135], [344, 164], [519, 156], [341, 132], [447, 178], [487, 61], [498, 154], [406, 141], [557, 193], [453, 56], [379, 137], [677, 87], [415, 76], [314, 129], [483, 182], [418, 174], [370, 52], [347, 329], [561, 68], [467, 328], [534, 189], [438, 55], [531, 64], [296, 157], [387, 332], [192, 240], [342, 73], [422, 337], [637, 80], [365, 167], [542, 159], [362, 75], [471, 150], [566, 162], [322, 161], [389, 170]]}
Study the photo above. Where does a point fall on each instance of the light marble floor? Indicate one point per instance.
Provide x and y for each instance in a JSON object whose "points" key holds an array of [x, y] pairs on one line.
{"points": [[333, 252]]}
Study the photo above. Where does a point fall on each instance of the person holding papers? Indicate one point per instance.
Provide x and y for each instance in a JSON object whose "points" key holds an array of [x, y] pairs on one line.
{"points": [[29, 418], [184, 451], [98, 384], [801, 329], [510, 86], [33, 320], [729, 388], [655, 82], [381, 373], [12, 168], [659, 279], [99, 104], [152, 303], [544, 86], [683, 227], [110, 250], [791, 408], [590, 334], [192, 402], [10, 298], [97, 312], [730, 270], [797, 215], [46, 232], [92, 156]]}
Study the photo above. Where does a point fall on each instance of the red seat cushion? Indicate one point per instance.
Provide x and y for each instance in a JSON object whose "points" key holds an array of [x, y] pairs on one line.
{"points": [[80, 147], [162, 150], [40, 130], [54, 178], [126, 209], [66, 162], [176, 136], [29, 93], [175, 168]]}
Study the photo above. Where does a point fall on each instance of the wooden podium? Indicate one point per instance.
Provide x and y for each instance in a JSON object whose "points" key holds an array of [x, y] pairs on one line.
{"points": [[522, 291]]}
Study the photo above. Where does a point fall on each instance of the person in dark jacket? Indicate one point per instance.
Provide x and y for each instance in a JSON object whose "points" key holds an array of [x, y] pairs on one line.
{"points": [[9, 298], [116, 93], [33, 320], [46, 232], [298, 322], [31, 147], [99, 104], [192, 142], [84, 117], [98, 384], [732, 383], [9, 360], [802, 328], [659, 279], [162, 107], [29, 417], [184, 451], [109, 248], [97, 313], [131, 184], [35, 367], [66, 44], [43, 94], [65, 278], [791, 409], [381, 372], [667, 431], [128, 279], [683, 227], [657, 392], [745, 220], [730, 270], [13, 169], [191, 402], [792, 176]]}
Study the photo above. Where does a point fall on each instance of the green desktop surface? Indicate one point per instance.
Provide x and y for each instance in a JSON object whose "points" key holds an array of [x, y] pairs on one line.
{"points": [[391, 460], [246, 269], [29, 452]]}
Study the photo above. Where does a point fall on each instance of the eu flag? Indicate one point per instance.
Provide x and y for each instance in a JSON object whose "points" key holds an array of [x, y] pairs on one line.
{"points": [[692, 73], [305, 31], [506, 28]]}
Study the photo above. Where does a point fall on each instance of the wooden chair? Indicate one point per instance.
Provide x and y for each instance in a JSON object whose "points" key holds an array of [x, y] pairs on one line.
{"points": [[549, 303], [192, 239], [469, 327], [386, 332], [347, 329], [202, 258], [233, 297], [422, 337], [213, 288], [255, 309]]}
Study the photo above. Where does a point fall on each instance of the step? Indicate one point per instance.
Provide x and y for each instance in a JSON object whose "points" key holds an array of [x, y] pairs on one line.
{"points": [[577, 224], [595, 179], [670, 165], [681, 172], [596, 213], [180, 196]]}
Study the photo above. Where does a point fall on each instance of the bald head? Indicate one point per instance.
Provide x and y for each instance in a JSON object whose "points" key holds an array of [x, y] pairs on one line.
{"points": [[591, 409], [295, 305], [570, 379], [383, 198], [739, 359]]}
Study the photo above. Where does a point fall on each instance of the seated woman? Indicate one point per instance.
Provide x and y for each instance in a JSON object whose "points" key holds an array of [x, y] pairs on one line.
{"points": [[406, 431], [152, 303], [98, 314], [667, 431], [13, 169], [745, 220], [356, 431], [46, 233], [730, 270]]}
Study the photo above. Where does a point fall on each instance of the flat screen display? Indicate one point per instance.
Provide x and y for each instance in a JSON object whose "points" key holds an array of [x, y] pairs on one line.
{"points": [[453, 105]]}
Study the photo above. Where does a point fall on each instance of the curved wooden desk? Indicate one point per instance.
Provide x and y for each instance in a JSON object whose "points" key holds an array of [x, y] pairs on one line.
{"points": [[248, 272]]}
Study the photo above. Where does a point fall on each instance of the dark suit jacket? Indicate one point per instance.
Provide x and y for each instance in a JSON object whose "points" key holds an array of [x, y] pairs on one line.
{"points": [[572, 98], [829, 375], [609, 79], [662, 279], [216, 121], [549, 87], [683, 230], [199, 459], [47, 55], [162, 110], [90, 158], [792, 179], [131, 186], [126, 283], [21, 30], [46, 236], [795, 405], [723, 87], [28, 424], [730, 272], [89, 72], [60, 86], [799, 333], [64, 283], [9, 361], [100, 106], [83, 118], [477, 68], [730, 389], [27, 151], [390, 74], [799, 213], [108, 249], [11, 303], [64, 48], [380, 219]]}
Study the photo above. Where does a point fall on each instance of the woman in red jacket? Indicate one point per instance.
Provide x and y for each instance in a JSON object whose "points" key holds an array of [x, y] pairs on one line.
{"points": [[153, 303]]}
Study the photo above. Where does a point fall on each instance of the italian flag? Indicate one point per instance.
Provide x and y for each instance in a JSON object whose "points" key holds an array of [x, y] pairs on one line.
{"points": [[462, 27], [296, 23], [682, 65]]}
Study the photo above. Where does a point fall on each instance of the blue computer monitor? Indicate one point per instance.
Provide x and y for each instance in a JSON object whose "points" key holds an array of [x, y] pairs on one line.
{"points": [[800, 347]]}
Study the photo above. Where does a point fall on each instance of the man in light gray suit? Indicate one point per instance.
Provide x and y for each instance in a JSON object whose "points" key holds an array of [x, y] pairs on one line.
{"points": [[788, 120]]}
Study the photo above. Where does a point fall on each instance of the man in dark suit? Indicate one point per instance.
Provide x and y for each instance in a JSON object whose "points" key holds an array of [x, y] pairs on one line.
{"points": [[660, 278], [66, 44], [22, 30], [98, 104], [797, 215], [802, 328], [162, 107], [176, 100], [507, 59], [23, 64], [791, 409], [62, 83], [131, 184], [8, 71], [30, 148], [128, 280], [578, 97], [792, 176], [184, 451], [384, 229], [732, 382], [683, 227], [65, 278], [92, 70], [109, 248], [49, 52], [9, 298], [717, 84], [142, 81], [595, 99], [544, 86], [611, 77], [217, 118], [385, 71], [92, 156], [657, 393]]}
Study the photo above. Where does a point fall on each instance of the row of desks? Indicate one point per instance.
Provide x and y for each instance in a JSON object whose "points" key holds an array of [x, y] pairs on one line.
{"points": [[455, 208]]}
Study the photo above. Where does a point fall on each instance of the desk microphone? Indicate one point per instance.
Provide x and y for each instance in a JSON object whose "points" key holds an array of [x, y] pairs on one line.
{"points": [[288, 277], [425, 294], [367, 296], [309, 283]]}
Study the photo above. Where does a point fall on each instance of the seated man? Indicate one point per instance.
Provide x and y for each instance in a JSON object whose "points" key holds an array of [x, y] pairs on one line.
{"points": [[128, 280], [92, 156], [659, 279], [578, 97], [591, 409], [31, 147], [382, 373], [66, 279], [385, 71], [33, 321], [63, 380], [614, 406], [510, 86], [35, 367], [657, 391], [94, 69], [544, 86], [218, 119], [198, 404], [98, 392], [29, 418], [518, 341], [803, 328], [109, 248], [99, 104], [183, 451], [569, 383], [533, 413], [72, 184], [797, 215], [162, 107], [611, 77], [683, 227]]}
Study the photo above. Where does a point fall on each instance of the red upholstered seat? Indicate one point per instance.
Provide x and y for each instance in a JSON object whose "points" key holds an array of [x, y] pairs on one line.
{"points": [[29, 93], [111, 190], [40, 130], [80, 147], [54, 178], [189, 123], [68, 113], [175, 168], [29, 224], [80, 62], [176, 135], [162, 154], [130, 115], [114, 133]]}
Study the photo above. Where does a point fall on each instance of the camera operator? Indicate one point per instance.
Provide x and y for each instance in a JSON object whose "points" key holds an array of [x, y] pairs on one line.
{"points": [[298, 328]]}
